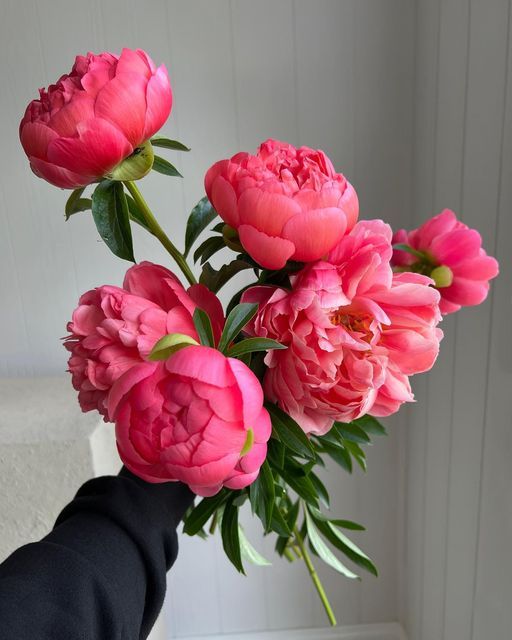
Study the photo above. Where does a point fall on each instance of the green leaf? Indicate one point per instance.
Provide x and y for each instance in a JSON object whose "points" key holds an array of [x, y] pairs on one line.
{"points": [[355, 450], [76, 203], [339, 454], [200, 217], [164, 166], [167, 143], [279, 524], [215, 280], [230, 535], [276, 453], [321, 489], [253, 344], [344, 544], [111, 216], [200, 515], [289, 432], [169, 344], [203, 327], [323, 550], [408, 249], [352, 432], [348, 524], [292, 515], [371, 425], [208, 248], [262, 495], [219, 227], [301, 485], [235, 322], [249, 553]]}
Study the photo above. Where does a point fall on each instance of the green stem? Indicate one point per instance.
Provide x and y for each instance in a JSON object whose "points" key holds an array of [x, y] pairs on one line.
{"points": [[314, 577], [158, 232]]}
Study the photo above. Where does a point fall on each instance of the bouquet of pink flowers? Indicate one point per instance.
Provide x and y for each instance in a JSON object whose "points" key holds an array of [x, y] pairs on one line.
{"points": [[244, 404]]}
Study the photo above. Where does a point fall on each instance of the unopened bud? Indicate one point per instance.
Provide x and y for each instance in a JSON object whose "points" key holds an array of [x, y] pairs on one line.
{"points": [[442, 276]]}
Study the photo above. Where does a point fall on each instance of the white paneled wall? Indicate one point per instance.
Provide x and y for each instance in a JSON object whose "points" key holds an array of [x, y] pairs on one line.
{"points": [[458, 577], [332, 74], [412, 100]]}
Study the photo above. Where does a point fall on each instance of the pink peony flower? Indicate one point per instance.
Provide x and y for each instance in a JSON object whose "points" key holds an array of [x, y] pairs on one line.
{"points": [[91, 120], [286, 203], [114, 329], [198, 417], [354, 331], [451, 254]]}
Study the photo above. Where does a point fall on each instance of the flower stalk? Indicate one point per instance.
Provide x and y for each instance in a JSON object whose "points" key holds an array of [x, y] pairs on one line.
{"points": [[314, 577], [158, 232]]}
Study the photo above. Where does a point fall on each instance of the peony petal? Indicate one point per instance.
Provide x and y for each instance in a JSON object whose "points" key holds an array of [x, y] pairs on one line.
{"points": [[127, 381], [349, 202], [466, 292], [98, 149], [270, 253], [79, 109], [267, 212], [224, 200], [457, 246], [203, 364], [158, 102], [481, 268], [35, 138], [208, 301], [58, 176], [315, 233], [252, 393], [123, 103], [439, 225], [131, 61]]}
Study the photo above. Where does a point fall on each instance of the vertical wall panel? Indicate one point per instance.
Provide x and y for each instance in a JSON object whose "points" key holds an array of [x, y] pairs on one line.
{"points": [[457, 521]]}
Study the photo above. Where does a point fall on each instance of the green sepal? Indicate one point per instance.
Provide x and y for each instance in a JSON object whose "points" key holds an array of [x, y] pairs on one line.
{"points": [[169, 344], [135, 166]]}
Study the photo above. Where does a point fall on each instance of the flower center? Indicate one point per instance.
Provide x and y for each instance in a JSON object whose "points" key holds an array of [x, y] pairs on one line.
{"points": [[355, 322]]}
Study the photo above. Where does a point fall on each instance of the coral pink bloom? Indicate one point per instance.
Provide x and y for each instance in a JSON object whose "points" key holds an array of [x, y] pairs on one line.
{"points": [[87, 123], [115, 328], [198, 417], [354, 331], [452, 256], [286, 203]]}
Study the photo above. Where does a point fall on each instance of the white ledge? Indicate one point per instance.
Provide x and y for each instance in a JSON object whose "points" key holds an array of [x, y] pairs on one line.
{"points": [[46, 409]]}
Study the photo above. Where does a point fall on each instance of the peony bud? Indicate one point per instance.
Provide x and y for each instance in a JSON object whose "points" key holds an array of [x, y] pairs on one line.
{"points": [[442, 276]]}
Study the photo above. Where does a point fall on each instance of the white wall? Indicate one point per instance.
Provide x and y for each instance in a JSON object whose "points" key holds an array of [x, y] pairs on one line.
{"points": [[458, 569], [331, 74], [410, 98]]}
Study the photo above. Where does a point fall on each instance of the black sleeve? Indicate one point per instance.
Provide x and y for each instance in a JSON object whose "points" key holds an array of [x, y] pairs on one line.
{"points": [[100, 574]]}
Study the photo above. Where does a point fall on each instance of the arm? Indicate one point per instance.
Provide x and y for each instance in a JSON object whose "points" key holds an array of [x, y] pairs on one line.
{"points": [[101, 573]]}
